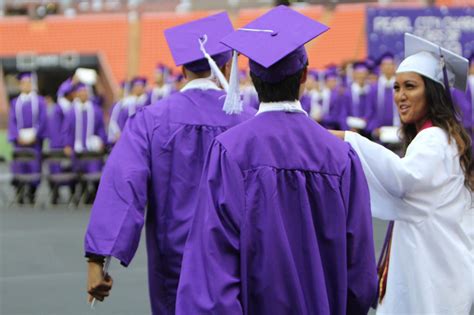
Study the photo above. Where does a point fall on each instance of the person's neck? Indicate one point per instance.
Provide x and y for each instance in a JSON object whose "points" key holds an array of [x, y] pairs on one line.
{"points": [[422, 124]]}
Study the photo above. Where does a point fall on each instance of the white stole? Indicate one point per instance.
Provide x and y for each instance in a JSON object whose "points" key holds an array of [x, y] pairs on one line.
{"points": [[79, 107], [356, 91], [20, 101], [65, 104], [326, 98]]}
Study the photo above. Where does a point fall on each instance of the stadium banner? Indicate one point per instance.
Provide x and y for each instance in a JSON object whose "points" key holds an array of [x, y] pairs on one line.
{"points": [[452, 28]]}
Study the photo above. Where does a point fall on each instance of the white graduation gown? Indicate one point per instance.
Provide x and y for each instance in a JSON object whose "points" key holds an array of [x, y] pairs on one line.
{"points": [[431, 267]]}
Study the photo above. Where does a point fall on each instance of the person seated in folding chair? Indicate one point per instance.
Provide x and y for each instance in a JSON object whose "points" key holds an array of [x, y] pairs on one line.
{"points": [[85, 136], [27, 128], [57, 139]]}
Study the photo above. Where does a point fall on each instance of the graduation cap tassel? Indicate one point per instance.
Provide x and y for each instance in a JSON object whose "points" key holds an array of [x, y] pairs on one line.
{"points": [[233, 103], [445, 79], [214, 68]]}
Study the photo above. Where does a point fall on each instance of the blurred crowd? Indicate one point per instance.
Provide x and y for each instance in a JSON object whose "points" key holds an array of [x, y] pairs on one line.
{"points": [[354, 96]]}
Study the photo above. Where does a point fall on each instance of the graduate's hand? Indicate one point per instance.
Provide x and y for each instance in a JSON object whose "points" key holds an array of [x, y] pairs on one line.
{"points": [[25, 143], [98, 284], [376, 133], [338, 133]]}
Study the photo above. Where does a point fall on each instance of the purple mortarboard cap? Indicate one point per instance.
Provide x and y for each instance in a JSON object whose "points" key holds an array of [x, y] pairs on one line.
{"points": [[24, 75], [138, 80], [161, 67], [65, 88], [184, 42], [78, 86], [314, 74], [360, 66], [371, 64], [388, 56], [331, 72], [274, 43]]}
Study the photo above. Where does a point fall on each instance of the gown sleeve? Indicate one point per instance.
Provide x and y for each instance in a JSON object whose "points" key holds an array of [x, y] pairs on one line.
{"points": [[42, 120], [361, 269], [12, 125], [210, 274], [101, 126], [118, 213], [400, 187]]}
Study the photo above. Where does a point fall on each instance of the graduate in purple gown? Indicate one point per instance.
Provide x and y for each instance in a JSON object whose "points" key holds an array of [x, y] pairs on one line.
{"points": [[134, 97], [283, 223], [84, 129], [163, 86], [158, 161], [27, 128], [386, 113], [65, 97], [56, 126], [360, 103], [330, 109]]}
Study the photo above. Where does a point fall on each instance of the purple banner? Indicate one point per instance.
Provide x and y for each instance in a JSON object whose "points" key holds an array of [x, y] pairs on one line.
{"points": [[451, 28]]}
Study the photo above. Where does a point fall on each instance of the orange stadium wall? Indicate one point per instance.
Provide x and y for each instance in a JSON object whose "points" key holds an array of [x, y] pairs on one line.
{"points": [[346, 39], [106, 34], [109, 35]]}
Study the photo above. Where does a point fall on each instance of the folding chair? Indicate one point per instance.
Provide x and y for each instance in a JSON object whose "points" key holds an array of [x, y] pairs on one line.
{"points": [[23, 181], [86, 180], [65, 176]]}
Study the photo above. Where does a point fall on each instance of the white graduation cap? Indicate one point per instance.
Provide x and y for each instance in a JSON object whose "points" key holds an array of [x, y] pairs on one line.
{"points": [[427, 59]]}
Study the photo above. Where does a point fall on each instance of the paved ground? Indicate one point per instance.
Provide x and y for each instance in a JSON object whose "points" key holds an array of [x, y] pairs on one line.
{"points": [[43, 272]]}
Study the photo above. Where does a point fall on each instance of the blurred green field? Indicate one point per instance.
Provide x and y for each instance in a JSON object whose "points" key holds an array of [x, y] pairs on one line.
{"points": [[5, 147]]}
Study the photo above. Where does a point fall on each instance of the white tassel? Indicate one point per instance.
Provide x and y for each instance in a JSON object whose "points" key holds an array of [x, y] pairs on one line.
{"points": [[214, 68], [233, 103]]}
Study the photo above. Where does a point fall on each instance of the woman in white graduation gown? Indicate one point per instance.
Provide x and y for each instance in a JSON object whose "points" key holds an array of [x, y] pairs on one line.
{"points": [[427, 265]]}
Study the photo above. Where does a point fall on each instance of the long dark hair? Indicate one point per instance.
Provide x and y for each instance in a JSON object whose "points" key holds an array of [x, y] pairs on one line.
{"points": [[446, 115]]}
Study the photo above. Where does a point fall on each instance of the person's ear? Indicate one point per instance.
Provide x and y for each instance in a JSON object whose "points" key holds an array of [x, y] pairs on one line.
{"points": [[227, 69], [304, 76]]}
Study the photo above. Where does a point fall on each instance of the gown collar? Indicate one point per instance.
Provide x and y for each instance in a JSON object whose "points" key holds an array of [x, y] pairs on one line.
{"points": [[200, 84], [292, 107]]}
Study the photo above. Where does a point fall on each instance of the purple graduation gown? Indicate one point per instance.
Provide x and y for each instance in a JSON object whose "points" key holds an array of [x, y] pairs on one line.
{"points": [[336, 118], [364, 109], [463, 100], [469, 110], [41, 134], [57, 136], [92, 166], [57, 139], [157, 161], [122, 116], [305, 101], [283, 225], [384, 108]]}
